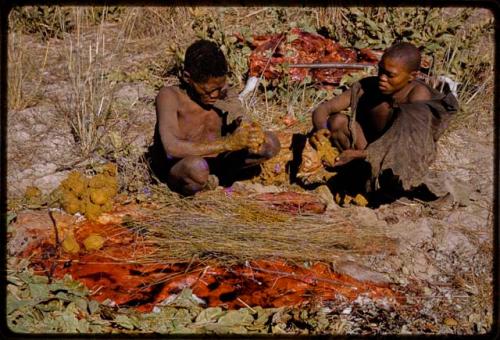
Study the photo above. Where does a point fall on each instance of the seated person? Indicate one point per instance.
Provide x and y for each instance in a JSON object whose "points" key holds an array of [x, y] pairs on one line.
{"points": [[194, 146], [394, 124]]}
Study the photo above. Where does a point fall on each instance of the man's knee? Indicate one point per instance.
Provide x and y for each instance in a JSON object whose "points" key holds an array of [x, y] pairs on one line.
{"points": [[192, 168], [272, 145], [337, 122]]}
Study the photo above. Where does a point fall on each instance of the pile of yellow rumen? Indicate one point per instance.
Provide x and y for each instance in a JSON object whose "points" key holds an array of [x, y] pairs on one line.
{"points": [[90, 196]]}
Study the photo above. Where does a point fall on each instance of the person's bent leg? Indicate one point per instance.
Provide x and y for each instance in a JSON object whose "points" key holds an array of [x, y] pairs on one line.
{"points": [[338, 124], [270, 148], [189, 175]]}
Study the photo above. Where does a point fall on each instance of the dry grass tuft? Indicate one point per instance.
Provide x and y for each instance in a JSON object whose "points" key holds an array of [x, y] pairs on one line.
{"points": [[468, 60], [147, 22], [25, 74], [88, 102], [235, 228]]}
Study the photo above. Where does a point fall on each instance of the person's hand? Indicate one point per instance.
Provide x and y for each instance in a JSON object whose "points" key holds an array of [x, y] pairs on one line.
{"points": [[320, 137], [247, 135], [237, 140], [348, 156], [256, 138], [320, 140]]}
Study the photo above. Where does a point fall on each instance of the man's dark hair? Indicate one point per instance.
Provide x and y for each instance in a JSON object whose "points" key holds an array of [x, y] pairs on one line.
{"points": [[204, 60], [407, 52]]}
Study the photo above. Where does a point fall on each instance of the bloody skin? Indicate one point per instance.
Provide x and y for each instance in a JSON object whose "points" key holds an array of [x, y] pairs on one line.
{"points": [[190, 130], [395, 85]]}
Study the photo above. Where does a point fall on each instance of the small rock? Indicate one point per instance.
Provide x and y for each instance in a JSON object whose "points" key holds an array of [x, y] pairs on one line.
{"points": [[405, 330], [413, 232], [39, 128], [474, 318], [368, 218], [44, 168], [451, 239], [21, 136], [346, 311], [50, 182], [450, 322], [360, 272]]}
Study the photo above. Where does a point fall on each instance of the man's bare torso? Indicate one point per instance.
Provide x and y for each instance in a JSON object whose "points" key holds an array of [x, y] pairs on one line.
{"points": [[195, 123]]}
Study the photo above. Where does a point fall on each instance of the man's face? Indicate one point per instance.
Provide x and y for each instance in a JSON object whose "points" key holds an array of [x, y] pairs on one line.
{"points": [[211, 90], [393, 75]]}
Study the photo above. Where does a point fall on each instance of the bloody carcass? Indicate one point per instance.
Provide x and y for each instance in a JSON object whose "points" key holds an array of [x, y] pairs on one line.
{"points": [[273, 52]]}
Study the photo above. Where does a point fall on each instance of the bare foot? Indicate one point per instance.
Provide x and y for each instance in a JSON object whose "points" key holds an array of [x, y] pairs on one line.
{"points": [[212, 183]]}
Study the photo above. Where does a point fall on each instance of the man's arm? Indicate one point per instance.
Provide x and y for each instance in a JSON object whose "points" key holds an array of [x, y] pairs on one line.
{"points": [[417, 94], [325, 109], [167, 104]]}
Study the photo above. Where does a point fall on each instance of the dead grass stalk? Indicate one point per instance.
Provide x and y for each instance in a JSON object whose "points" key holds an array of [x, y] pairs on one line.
{"points": [[234, 229], [87, 105], [24, 74]]}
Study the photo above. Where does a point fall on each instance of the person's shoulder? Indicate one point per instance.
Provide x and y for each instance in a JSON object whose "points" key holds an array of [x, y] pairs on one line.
{"points": [[169, 99], [169, 95], [419, 92], [169, 91]]}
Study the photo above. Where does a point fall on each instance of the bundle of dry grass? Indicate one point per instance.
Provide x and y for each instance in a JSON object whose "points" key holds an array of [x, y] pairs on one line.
{"points": [[235, 228]]}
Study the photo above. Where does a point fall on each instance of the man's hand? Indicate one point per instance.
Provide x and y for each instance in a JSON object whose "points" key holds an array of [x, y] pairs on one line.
{"points": [[256, 137], [237, 140], [320, 137], [247, 135], [326, 152], [348, 156]]}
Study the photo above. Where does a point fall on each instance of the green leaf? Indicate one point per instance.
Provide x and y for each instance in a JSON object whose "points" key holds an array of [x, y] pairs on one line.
{"points": [[68, 321], [81, 303], [62, 295], [236, 317], [181, 329], [93, 306], [359, 44], [124, 321], [263, 315], [51, 305], [186, 299], [74, 287], [209, 315], [14, 304], [372, 25], [39, 291], [11, 216], [432, 47], [83, 326], [28, 277], [183, 316]]}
